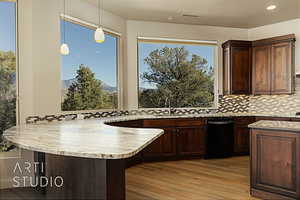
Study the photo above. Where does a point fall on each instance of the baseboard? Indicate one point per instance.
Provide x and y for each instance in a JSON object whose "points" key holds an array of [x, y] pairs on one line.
{"points": [[268, 195]]}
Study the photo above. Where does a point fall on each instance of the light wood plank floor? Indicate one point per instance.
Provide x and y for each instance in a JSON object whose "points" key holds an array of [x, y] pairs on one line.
{"points": [[218, 179]]}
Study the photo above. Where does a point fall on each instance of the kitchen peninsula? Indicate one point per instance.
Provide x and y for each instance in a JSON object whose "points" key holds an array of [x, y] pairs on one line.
{"points": [[87, 154]]}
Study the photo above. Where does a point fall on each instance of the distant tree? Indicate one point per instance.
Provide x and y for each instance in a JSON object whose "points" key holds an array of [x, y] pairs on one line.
{"points": [[7, 74], [86, 92], [7, 93], [187, 82]]}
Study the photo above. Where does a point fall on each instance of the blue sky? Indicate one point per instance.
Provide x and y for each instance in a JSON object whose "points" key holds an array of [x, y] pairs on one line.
{"points": [[101, 58], [145, 49], [7, 26]]}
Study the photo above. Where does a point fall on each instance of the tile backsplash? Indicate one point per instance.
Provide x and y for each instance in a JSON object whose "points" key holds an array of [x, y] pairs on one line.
{"points": [[262, 104]]}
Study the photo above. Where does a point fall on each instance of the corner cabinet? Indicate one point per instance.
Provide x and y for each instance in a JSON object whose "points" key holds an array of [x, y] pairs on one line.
{"points": [[273, 65], [237, 67], [259, 67]]}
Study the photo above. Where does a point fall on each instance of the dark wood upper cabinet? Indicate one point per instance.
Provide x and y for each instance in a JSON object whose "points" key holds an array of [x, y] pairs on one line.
{"points": [[261, 82], [282, 68], [273, 65], [259, 67], [237, 67]]}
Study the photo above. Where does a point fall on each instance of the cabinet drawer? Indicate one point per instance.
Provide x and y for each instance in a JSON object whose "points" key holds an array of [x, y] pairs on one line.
{"points": [[190, 122], [244, 120]]}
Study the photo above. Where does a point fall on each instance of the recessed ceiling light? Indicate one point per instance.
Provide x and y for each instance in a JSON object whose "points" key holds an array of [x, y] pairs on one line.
{"points": [[170, 18], [271, 7]]}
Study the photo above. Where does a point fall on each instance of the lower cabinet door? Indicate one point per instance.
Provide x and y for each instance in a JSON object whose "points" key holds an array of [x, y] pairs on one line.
{"points": [[275, 162], [163, 148], [241, 140], [191, 141]]}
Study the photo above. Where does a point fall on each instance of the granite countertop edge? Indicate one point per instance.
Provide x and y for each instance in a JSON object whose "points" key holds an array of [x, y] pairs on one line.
{"points": [[276, 125]]}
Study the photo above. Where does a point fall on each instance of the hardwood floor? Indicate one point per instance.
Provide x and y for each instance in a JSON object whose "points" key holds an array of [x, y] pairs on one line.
{"points": [[219, 179]]}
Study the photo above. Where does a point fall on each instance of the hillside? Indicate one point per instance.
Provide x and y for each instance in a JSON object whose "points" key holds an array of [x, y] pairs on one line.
{"points": [[67, 83]]}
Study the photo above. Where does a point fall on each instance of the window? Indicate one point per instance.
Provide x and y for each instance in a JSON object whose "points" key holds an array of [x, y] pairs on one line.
{"points": [[180, 74], [8, 68], [89, 72]]}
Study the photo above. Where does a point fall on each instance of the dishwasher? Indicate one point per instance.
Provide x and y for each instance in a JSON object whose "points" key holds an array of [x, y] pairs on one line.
{"points": [[219, 138]]}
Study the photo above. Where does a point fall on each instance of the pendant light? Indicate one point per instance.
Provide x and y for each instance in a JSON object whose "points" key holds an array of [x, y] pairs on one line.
{"points": [[99, 33], [64, 48]]}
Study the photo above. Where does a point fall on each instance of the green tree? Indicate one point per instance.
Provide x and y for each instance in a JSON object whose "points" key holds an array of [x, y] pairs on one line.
{"points": [[186, 82], [86, 92], [7, 93]]}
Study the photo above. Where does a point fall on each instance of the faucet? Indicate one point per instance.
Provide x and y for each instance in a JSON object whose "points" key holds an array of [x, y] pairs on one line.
{"points": [[171, 109]]}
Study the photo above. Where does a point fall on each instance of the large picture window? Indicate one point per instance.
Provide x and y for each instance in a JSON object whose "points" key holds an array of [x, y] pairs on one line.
{"points": [[180, 74], [8, 69], [89, 72]]}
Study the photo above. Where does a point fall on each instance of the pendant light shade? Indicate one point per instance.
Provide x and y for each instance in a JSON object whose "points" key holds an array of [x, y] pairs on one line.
{"points": [[64, 49], [99, 35]]}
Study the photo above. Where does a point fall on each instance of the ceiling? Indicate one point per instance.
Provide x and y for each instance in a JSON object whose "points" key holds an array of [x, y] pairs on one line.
{"points": [[227, 13]]}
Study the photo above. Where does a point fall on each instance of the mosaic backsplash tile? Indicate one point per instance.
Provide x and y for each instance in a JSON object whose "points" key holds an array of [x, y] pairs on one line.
{"points": [[262, 104], [234, 104]]}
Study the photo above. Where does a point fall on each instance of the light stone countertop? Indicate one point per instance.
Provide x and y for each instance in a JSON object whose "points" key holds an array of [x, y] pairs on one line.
{"points": [[92, 138], [276, 125], [82, 138]]}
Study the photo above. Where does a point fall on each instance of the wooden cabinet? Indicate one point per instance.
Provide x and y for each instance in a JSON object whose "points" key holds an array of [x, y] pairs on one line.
{"points": [[128, 124], [282, 68], [191, 141], [237, 67], [183, 138], [259, 67], [242, 135], [261, 82], [163, 148], [273, 65], [275, 164]]}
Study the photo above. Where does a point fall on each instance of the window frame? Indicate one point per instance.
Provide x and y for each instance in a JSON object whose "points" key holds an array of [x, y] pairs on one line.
{"points": [[18, 120], [182, 42], [113, 33]]}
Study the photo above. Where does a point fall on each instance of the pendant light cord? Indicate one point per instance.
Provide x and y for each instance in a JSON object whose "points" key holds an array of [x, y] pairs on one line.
{"points": [[101, 12], [64, 21], [99, 19]]}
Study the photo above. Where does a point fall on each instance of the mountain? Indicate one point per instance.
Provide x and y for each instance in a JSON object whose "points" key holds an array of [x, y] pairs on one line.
{"points": [[108, 88], [67, 83]]}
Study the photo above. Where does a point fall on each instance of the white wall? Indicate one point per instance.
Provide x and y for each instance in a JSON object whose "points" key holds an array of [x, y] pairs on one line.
{"points": [[283, 28], [179, 31]]}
